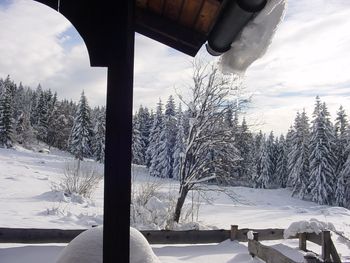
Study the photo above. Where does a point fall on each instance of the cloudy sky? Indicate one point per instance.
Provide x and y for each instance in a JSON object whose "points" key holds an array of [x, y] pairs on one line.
{"points": [[310, 56]]}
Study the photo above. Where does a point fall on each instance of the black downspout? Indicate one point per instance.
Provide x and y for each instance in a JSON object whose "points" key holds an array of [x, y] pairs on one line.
{"points": [[235, 15]]}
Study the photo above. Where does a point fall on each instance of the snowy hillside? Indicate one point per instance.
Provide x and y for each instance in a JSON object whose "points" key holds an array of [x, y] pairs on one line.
{"points": [[27, 200]]}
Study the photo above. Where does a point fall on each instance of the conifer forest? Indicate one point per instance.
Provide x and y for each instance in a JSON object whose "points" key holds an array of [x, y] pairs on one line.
{"points": [[312, 158]]}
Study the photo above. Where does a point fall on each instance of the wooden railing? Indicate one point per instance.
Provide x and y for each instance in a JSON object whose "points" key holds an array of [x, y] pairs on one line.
{"points": [[269, 254]]}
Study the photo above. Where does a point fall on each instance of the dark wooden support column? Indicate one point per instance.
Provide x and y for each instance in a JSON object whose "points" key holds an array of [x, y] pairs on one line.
{"points": [[118, 140]]}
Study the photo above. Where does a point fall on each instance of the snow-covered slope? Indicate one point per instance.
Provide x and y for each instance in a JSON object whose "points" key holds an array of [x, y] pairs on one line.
{"points": [[26, 200]]}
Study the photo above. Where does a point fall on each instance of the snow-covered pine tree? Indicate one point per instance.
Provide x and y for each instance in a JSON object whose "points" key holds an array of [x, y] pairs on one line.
{"points": [[282, 163], [167, 140], [81, 134], [258, 141], [137, 143], [24, 131], [343, 186], [245, 146], [100, 136], [179, 148], [272, 153], [299, 156], [6, 112], [341, 153], [322, 161], [262, 180], [145, 121], [42, 117], [153, 150], [34, 111]]}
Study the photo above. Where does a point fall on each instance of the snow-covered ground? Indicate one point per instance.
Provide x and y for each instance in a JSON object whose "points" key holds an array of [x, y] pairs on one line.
{"points": [[27, 200]]}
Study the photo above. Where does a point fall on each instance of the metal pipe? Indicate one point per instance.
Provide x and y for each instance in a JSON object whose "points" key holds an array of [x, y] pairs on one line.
{"points": [[235, 15]]}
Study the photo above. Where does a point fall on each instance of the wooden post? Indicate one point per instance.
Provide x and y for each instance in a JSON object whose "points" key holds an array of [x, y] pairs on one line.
{"points": [[310, 258], [252, 243], [233, 234], [302, 241], [117, 179], [326, 246]]}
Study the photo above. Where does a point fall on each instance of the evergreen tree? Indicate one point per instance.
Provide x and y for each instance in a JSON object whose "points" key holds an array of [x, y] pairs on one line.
{"points": [[153, 150], [81, 134], [322, 160], [6, 112], [180, 145], [100, 136], [145, 125], [262, 180], [245, 146], [299, 156], [282, 163], [137, 143], [272, 154], [341, 153], [167, 140], [42, 117]]}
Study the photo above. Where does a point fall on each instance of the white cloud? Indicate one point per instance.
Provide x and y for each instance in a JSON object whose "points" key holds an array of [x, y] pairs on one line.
{"points": [[32, 50], [309, 56]]}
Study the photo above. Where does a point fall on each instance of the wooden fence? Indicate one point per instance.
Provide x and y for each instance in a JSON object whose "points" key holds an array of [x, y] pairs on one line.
{"points": [[269, 254]]}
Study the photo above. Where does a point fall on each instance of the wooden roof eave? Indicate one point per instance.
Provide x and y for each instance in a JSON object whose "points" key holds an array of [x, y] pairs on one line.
{"points": [[168, 32]]}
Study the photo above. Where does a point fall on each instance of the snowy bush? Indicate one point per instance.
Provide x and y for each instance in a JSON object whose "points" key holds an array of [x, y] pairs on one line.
{"points": [[153, 209], [80, 178]]}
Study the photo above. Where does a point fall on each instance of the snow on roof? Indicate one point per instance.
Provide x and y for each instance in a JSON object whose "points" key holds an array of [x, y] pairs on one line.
{"points": [[254, 40]]}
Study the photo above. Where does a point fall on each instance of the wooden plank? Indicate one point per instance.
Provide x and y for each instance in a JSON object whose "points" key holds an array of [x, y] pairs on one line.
{"points": [[233, 234], [168, 32], [141, 3], [189, 12], [302, 241], [334, 253], [37, 236], [172, 9], [264, 234], [266, 253], [207, 16], [156, 6], [326, 246], [186, 237]]}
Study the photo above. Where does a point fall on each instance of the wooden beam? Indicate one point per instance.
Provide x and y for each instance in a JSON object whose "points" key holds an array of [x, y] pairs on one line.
{"points": [[117, 182], [169, 32], [186, 237], [37, 236]]}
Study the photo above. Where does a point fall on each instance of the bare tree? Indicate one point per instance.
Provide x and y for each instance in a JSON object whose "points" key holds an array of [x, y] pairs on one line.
{"points": [[210, 152]]}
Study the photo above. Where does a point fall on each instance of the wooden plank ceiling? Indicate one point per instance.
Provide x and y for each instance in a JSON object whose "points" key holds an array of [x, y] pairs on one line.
{"points": [[181, 24]]}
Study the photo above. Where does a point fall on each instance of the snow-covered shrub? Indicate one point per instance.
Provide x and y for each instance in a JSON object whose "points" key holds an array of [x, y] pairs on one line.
{"points": [[80, 178]]}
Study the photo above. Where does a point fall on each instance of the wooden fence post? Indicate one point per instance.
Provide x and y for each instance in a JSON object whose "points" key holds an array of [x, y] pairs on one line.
{"points": [[302, 241], [233, 234], [326, 246], [251, 243]]}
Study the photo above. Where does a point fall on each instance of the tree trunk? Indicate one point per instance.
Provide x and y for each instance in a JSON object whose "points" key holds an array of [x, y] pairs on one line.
{"points": [[180, 202]]}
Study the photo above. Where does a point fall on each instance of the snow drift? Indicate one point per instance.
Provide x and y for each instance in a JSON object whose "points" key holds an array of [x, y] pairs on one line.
{"points": [[87, 248], [312, 226], [254, 40]]}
